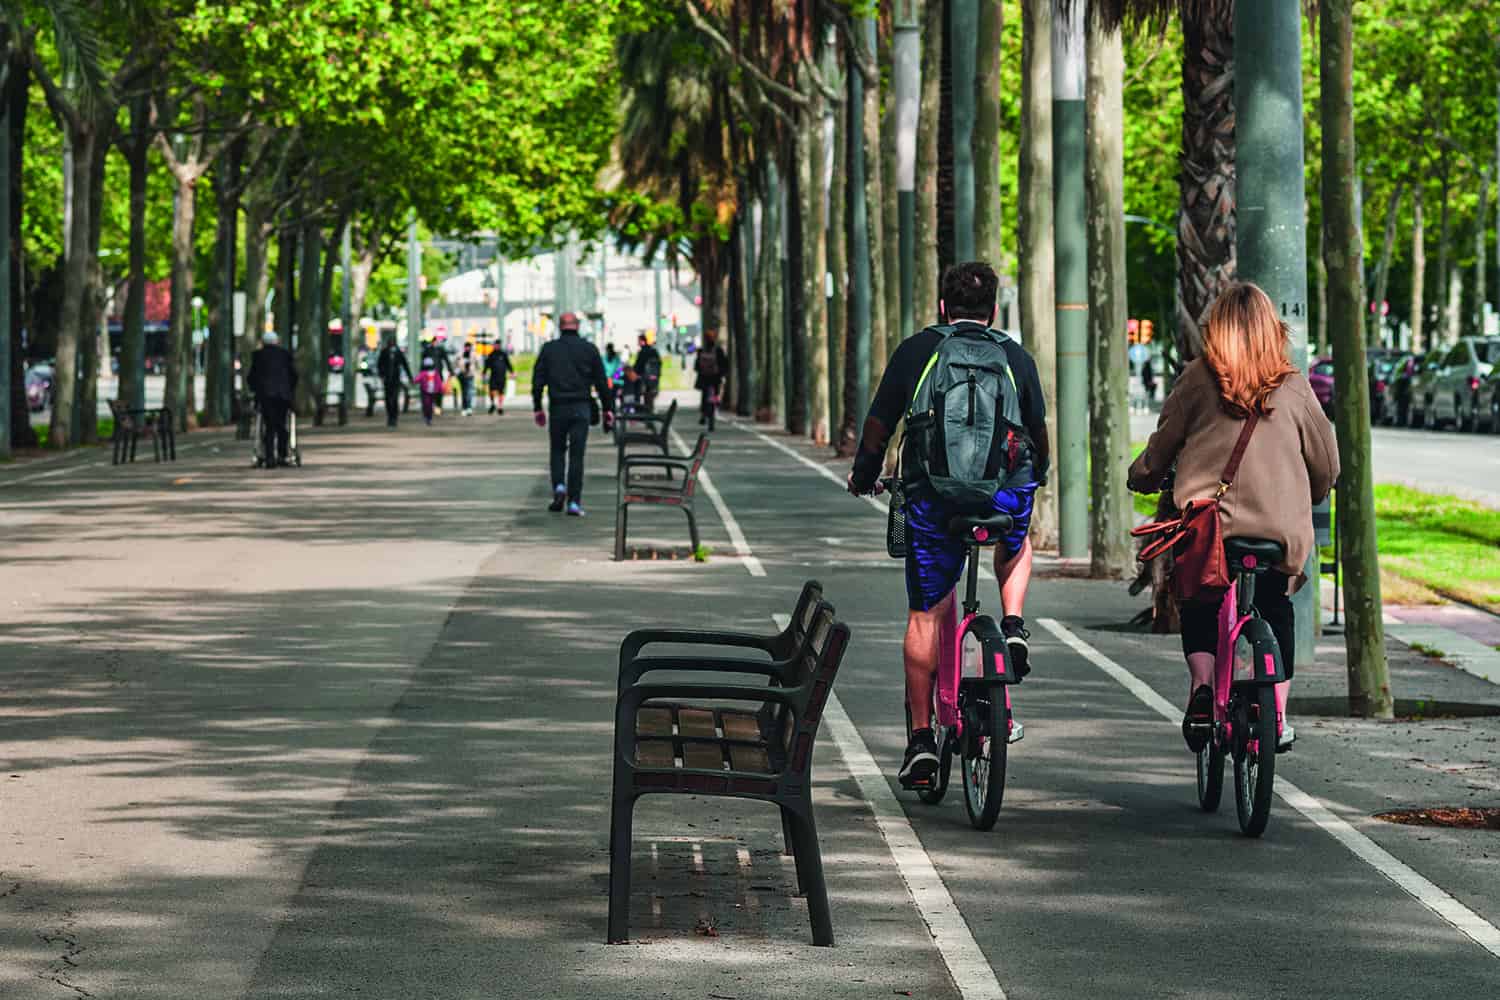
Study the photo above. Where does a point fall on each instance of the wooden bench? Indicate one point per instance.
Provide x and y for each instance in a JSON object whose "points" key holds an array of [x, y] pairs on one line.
{"points": [[133, 424], [661, 491], [706, 739], [654, 432]]}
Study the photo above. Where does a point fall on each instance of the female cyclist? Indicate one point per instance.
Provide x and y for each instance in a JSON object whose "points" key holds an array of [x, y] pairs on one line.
{"points": [[1290, 463]]}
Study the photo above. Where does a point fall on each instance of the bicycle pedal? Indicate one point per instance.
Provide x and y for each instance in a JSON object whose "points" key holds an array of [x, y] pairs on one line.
{"points": [[1017, 732]]}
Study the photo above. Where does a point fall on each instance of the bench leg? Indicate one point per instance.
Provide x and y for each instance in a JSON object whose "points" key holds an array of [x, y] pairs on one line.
{"points": [[810, 872], [622, 811], [789, 846], [692, 526], [622, 517]]}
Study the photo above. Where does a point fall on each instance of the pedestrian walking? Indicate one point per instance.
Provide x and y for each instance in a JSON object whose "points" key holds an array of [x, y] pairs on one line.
{"points": [[435, 347], [648, 366], [711, 366], [394, 374], [614, 365], [1148, 383], [468, 367], [497, 369], [570, 370], [431, 385], [273, 379]]}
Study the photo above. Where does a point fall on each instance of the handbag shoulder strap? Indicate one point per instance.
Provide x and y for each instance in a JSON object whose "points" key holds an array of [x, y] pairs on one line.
{"points": [[1232, 469]]}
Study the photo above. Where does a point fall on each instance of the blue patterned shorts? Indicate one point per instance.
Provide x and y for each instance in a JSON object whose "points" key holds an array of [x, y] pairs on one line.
{"points": [[935, 559]]}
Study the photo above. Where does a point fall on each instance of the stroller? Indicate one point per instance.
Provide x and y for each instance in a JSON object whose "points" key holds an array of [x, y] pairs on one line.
{"points": [[258, 440]]}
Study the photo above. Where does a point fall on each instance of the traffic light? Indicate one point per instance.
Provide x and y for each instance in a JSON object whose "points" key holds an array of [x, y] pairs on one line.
{"points": [[1132, 331], [1146, 331]]}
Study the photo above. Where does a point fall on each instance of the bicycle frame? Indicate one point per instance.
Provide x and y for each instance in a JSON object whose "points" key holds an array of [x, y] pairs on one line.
{"points": [[950, 642], [1236, 616]]}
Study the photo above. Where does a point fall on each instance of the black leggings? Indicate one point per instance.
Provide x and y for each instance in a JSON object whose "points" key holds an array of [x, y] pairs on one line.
{"points": [[1200, 619]]}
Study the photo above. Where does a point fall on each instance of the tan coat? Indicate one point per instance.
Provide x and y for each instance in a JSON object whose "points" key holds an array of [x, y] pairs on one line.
{"points": [[1291, 462]]}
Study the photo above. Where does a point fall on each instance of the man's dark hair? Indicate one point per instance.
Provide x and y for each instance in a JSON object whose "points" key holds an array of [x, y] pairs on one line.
{"points": [[969, 291]]}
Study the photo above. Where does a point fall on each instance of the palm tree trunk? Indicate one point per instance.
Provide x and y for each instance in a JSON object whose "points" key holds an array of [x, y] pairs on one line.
{"points": [[989, 219], [1364, 631], [1205, 221], [925, 291], [1034, 230], [1111, 512]]}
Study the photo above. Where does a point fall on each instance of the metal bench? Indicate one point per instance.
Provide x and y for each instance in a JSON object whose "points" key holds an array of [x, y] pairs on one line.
{"points": [[655, 431], [704, 739], [131, 425], [662, 491]]}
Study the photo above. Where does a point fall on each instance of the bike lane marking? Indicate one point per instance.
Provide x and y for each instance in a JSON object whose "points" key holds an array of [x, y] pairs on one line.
{"points": [[971, 971], [736, 536], [1419, 887]]}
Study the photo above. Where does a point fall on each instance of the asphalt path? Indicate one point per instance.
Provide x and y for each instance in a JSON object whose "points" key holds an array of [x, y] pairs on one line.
{"points": [[346, 729]]}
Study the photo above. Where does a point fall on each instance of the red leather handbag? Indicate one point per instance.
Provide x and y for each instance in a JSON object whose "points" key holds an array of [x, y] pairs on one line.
{"points": [[1196, 537]]}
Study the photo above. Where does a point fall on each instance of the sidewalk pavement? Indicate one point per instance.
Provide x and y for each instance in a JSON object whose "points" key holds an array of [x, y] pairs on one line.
{"points": [[342, 729]]}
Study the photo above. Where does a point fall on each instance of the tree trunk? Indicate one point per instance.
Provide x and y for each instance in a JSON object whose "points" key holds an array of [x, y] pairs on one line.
{"points": [[890, 212], [1454, 312], [92, 338], [179, 393], [1440, 333], [1364, 633], [8, 249], [285, 320], [310, 356], [257, 280], [875, 219], [814, 238], [837, 239], [925, 294], [740, 291], [1034, 230], [133, 338], [76, 285], [1481, 267], [1205, 221], [359, 283], [857, 219], [219, 386], [15, 106], [1383, 271], [989, 219], [1320, 293], [1418, 271], [796, 250], [1111, 512]]}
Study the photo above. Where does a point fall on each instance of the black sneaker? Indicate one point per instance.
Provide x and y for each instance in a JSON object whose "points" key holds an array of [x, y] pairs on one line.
{"points": [[1198, 721], [921, 763], [1013, 627], [559, 499]]}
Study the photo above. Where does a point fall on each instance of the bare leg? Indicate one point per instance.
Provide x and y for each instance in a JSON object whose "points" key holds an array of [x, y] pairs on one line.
{"points": [[1200, 670], [922, 652], [1014, 574], [1282, 690]]}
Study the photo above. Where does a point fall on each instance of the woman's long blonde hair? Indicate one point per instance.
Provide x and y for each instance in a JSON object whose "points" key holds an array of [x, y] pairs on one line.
{"points": [[1246, 346]]}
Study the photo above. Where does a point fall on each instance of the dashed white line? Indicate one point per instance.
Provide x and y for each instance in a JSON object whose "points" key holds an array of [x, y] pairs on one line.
{"points": [[967, 964], [821, 470], [736, 536], [1418, 886]]}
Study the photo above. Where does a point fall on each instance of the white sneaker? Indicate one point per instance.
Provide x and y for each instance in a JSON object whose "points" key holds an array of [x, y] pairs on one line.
{"points": [[1287, 738]]}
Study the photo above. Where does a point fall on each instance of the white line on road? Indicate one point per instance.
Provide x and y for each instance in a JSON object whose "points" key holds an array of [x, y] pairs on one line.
{"points": [[967, 964], [1440, 902], [736, 536], [821, 470]]}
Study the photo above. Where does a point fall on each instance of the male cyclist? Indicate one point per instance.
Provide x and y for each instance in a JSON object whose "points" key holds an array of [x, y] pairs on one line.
{"points": [[935, 558]]}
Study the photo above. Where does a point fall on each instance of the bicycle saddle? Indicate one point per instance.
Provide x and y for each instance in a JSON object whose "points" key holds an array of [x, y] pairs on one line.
{"points": [[1254, 555], [982, 528]]}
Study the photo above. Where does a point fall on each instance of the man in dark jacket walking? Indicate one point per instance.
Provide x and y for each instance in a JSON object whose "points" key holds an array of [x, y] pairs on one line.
{"points": [[648, 367], [570, 369], [273, 378], [497, 369], [391, 366], [711, 365]]}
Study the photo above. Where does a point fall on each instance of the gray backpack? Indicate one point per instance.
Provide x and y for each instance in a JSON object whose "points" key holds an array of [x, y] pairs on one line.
{"points": [[966, 398]]}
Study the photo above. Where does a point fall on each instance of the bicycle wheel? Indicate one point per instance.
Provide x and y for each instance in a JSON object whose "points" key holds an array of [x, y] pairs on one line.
{"points": [[1211, 775], [1255, 767], [984, 744]]}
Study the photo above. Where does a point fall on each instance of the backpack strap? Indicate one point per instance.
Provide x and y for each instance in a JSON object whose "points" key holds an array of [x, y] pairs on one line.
{"points": [[1232, 469]]}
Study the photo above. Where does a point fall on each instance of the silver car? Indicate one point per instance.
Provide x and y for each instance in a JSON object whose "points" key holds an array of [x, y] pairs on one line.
{"points": [[1453, 394]]}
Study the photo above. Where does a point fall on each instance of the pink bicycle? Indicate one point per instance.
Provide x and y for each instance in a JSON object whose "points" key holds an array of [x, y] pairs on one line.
{"points": [[971, 696], [1247, 667]]}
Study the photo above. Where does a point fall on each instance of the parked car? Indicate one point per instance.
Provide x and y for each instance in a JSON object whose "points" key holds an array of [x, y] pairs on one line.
{"points": [[1487, 402], [39, 380], [1385, 368], [1321, 377], [1419, 391], [1454, 395]]}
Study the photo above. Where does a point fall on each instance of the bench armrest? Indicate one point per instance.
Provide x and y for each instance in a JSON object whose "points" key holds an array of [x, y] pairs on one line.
{"points": [[643, 637], [633, 670]]}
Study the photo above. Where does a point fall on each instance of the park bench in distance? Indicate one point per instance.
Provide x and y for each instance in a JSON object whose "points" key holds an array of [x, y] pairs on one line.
{"points": [[660, 491], [695, 739], [132, 425], [657, 427]]}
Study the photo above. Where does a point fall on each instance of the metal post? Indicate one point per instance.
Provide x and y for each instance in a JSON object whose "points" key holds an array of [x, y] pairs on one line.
{"points": [[347, 317], [499, 298], [907, 56], [963, 35], [413, 295], [1071, 257], [1270, 235], [5, 300]]}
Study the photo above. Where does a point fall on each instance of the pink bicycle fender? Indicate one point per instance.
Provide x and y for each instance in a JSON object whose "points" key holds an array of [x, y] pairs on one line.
{"points": [[950, 636]]}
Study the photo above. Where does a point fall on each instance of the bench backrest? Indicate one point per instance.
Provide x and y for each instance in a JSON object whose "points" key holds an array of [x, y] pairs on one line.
{"points": [[700, 452], [666, 422], [801, 621], [817, 668]]}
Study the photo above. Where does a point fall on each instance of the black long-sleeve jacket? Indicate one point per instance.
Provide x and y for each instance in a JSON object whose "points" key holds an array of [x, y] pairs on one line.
{"points": [[899, 384], [568, 368]]}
